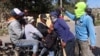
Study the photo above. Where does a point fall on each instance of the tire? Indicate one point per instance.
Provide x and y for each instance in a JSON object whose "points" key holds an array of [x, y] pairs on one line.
{"points": [[13, 53], [25, 53], [59, 53]]}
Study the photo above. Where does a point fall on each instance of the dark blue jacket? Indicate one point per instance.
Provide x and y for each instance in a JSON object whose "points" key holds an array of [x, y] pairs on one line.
{"points": [[63, 30]]}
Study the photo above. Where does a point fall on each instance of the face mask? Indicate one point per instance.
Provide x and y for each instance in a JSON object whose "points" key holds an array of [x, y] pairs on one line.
{"points": [[53, 19], [79, 9]]}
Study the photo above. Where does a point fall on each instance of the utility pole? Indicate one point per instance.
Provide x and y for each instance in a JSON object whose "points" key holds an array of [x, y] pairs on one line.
{"points": [[61, 3], [61, 6]]}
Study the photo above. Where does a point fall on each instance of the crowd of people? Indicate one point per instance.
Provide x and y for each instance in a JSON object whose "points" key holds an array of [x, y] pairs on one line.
{"points": [[24, 31]]}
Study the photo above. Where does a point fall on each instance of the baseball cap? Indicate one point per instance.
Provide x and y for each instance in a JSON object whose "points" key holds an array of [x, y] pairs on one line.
{"points": [[16, 11]]}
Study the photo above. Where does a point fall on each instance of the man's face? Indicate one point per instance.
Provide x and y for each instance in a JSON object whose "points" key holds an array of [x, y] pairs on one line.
{"points": [[19, 17], [43, 20], [53, 19]]}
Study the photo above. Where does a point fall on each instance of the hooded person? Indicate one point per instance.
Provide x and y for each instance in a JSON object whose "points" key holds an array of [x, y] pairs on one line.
{"points": [[64, 33], [84, 28], [58, 10]]}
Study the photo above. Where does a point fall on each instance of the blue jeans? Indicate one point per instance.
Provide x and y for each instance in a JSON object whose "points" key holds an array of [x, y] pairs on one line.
{"points": [[70, 48], [26, 43], [51, 53]]}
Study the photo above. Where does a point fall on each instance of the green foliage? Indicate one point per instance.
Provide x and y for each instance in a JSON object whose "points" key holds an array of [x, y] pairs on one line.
{"points": [[42, 6], [70, 6], [5, 7], [39, 6], [97, 22], [35, 6], [3, 32]]}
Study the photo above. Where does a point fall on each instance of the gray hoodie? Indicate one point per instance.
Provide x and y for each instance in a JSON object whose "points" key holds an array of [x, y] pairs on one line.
{"points": [[15, 31]]}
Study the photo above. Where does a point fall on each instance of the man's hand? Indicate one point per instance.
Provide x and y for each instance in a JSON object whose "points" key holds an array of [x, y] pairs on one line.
{"points": [[43, 39], [92, 47], [49, 31], [51, 27], [63, 44]]}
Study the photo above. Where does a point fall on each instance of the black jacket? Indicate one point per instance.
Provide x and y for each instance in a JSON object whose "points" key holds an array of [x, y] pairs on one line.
{"points": [[50, 40], [42, 28]]}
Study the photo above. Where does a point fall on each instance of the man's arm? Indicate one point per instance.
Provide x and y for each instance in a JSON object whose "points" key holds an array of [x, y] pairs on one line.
{"points": [[91, 31], [71, 16], [36, 31], [16, 27]]}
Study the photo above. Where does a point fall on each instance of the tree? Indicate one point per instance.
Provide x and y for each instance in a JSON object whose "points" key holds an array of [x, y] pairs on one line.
{"points": [[5, 7], [35, 7]]}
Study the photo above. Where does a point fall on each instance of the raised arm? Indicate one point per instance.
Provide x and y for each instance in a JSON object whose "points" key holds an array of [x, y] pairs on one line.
{"points": [[71, 16]]}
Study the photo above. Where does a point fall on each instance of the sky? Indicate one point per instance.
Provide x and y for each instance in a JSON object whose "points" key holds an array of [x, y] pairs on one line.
{"points": [[90, 3], [93, 3]]}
